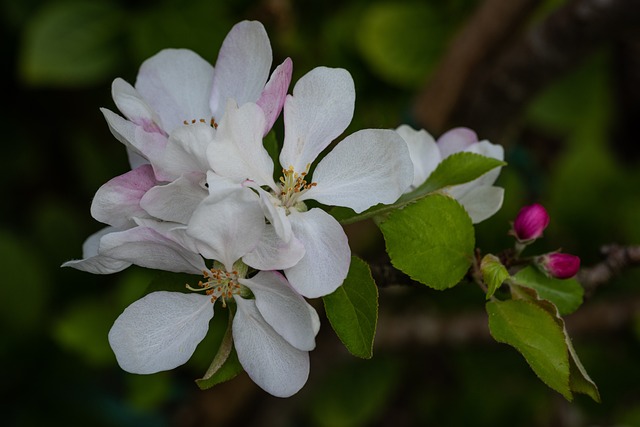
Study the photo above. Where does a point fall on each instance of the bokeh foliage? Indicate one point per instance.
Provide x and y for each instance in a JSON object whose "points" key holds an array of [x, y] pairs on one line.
{"points": [[61, 56]]}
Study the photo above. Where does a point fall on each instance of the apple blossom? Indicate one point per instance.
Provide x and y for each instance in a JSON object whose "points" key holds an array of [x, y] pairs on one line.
{"points": [[530, 223], [480, 197], [366, 168], [559, 265]]}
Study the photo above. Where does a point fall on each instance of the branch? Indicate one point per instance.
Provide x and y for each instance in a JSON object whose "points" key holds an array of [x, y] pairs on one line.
{"points": [[616, 259]]}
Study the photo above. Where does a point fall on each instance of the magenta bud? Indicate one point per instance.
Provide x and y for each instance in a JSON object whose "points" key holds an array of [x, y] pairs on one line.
{"points": [[530, 223], [559, 265]]}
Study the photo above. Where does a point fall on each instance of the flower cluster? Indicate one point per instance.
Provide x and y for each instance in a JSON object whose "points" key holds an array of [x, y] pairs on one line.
{"points": [[202, 198], [527, 227]]}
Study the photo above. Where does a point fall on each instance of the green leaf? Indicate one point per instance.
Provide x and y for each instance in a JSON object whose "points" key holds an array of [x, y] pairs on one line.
{"points": [[493, 273], [456, 169], [535, 333], [71, 44], [565, 294], [431, 240], [352, 309], [225, 364]]}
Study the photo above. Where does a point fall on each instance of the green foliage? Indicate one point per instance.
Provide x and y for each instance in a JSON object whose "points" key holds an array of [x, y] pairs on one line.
{"points": [[353, 309], [225, 365], [493, 273], [536, 335], [566, 294], [431, 240], [71, 44]]}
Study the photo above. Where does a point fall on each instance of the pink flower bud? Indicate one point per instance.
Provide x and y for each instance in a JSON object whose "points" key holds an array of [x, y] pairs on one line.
{"points": [[559, 265], [530, 223]]}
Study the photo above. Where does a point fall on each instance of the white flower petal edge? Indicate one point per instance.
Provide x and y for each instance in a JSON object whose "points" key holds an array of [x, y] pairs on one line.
{"points": [[242, 67], [273, 253], [272, 98], [456, 140], [423, 151], [225, 230], [160, 331], [176, 84], [482, 202], [133, 107], [368, 167], [177, 200], [270, 361], [118, 201], [186, 150], [283, 309], [91, 261], [319, 110], [327, 257]]}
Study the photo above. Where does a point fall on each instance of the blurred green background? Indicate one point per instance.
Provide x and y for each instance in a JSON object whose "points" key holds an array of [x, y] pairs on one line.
{"points": [[59, 60]]}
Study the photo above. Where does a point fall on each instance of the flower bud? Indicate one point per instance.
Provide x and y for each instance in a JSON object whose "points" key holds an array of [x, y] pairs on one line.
{"points": [[530, 223], [559, 265]]}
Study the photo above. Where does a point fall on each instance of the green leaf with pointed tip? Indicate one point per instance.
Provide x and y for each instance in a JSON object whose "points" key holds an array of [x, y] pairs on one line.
{"points": [[534, 332], [431, 240], [352, 309], [565, 294], [225, 365], [71, 44], [494, 273], [456, 169]]}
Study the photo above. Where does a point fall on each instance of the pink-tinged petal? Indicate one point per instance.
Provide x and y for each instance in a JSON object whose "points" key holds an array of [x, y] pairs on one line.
{"points": [[283, 309], [456, 140], [238, 152], [275, 92], [177, 200], [368, 167], [228, 229], [273, 253], [160, 331], [319, 110], [134, 108], [242, 67], [482, 202], [150, 146], [325, 263], [423, 151], [271, 362], [118, 201], [94, 263], [135, 159], [146, 247], [186, 150], [176, 83]]}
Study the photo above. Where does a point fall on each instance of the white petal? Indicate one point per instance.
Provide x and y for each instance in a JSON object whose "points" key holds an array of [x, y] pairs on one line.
{"points": [[456, 140], [272, 97], [325, 263], [117, 201], [369, 167], [276, 215], [320, 109], [495, 151], [134, 108], [94, 263], [228, 229], [177, 200], [186, 150], [482, 202], [242, 67], [273, 253], [423, 151], [176, 83], [237, 152], [283, 309], [160, 331], [146, 247], [271, 362]]}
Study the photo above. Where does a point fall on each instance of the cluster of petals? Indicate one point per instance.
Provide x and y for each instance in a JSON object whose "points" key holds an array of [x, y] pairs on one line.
{"points": [[479, 197], [170, 116]]}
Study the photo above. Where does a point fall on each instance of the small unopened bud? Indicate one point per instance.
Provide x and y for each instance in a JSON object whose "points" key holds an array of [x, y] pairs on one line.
{"points": [[530, 223], [559, 265]]}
